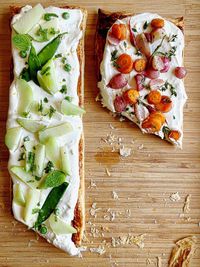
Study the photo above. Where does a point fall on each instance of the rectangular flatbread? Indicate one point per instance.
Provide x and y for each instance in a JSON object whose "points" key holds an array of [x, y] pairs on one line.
{"points": [[150, 54], [44, 125]]}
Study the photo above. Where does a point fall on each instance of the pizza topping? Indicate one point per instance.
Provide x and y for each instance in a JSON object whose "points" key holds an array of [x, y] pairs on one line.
{"points": [[180, 72], [120, 104], [165, 105], [166, 66], [154, 97], [154, 121], [118, 81], [119, 31], [143, 45], [155, 84], [157, 63], [124, 63], [157, 23], [139, 79], [131, 96], [151, 73], [157, 34], [174, 134], [140, 64]]}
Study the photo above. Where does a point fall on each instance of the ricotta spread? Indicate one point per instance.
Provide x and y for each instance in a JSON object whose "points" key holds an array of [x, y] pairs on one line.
{"points": [[68, 49], [174, 118]]}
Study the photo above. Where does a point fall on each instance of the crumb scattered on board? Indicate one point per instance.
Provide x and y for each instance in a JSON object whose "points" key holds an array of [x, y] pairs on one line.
{"points": [[115, 195], [159, 261], [99, 250], [125, 151], [175, 197], [128, 240], [183, 252], [186, 207], [94, 210], [108, 172]]}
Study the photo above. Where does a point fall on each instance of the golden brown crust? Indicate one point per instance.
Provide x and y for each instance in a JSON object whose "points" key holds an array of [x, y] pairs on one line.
{"points": [[79, 212], [105, 20]]}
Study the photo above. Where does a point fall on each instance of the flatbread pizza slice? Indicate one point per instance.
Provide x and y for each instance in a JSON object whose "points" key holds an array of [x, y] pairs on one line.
{"points": [[44, 126], [140, 70]]}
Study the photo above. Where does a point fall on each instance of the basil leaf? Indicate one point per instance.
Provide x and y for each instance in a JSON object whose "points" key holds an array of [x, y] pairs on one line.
{"points": [[53, 179], [21, 42]]}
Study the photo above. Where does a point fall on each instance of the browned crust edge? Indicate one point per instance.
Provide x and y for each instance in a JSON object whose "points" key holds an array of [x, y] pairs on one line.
{"points": [[105, 20], [79, 211]]}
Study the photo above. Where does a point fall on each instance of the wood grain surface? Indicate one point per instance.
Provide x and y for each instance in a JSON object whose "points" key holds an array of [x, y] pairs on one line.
{"points": [[144, 181]]}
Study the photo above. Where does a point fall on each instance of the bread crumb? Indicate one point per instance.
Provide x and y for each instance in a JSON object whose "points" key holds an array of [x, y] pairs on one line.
{"points": [[175, 197], [125, 151], [92, 184], [99, 250], [159, 262], [148, 261], [108, 172], [110, 216], [98, 98], [140, 146], [112, 127], [93, 210], [128, 240], [115, 195], [186, 207]]}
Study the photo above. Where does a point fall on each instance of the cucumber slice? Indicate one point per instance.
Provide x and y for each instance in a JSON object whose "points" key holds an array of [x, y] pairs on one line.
{"points": [[24, 176], [55, 131], [28, 20], [39, 159], [47, 77], [32, 199], [60, 227], [18, 196], [25, 96], [12, 137], [49, 28], [52, 179], [31, 125], [53, 151], [67, 108], [65, 161], [29, 160]]}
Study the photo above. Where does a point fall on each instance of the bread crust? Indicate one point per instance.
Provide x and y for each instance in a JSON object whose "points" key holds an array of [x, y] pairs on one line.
{"points": [[79, 211], [105, 20]]}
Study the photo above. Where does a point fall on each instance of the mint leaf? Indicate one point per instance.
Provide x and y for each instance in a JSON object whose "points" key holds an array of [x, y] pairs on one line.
{"points": [[21, 42], [53, 179]]}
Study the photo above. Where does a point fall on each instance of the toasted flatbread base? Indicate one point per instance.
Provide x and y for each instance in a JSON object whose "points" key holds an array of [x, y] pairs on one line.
{"points": [[105, 20], [79, 212]]}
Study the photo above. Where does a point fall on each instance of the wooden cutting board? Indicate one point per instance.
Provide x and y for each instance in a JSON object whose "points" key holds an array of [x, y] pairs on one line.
{"points": [[143, 182]]}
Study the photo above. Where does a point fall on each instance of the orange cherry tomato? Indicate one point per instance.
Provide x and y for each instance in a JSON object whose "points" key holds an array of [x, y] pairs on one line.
{"points": [[140, 64], [173, 134], [165, 104], [124, 63], [131, 96], [157, 23], [158, 114], [152, 123], [119, 31], [154, 97]]}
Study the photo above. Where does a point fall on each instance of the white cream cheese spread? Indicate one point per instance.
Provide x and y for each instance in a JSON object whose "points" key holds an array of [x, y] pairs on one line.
{"points": [[66, 53], [173, 38]]}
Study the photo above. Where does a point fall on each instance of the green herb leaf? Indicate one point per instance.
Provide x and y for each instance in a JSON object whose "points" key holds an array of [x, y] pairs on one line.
{"points": [[26, 138], [35, 210], [68, 98], [114, 55], [31, 160], [53, 179], [21, 42], [52, 110], [63, 90], [42, 229], [40, 106], [173, 38], [170, 87], [48, 16], [45, 100], [67, 67], [49, 167], [21, 156], [134, 29], [146, 24], [165, 130]]}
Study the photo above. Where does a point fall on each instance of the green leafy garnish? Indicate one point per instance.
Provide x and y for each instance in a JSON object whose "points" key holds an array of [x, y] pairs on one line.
{"points": [[114, 55], [23, 54], [173, 38], [170, 87], [31, 160], [45, 100], [146, 24], [35, 210], [67, 67], [25, 75], [42, 229], [48, 16], [166, 130], [171, 52], [52, 110], [52, 179], [49, 167], [63, 90], [21, 156], [26, 138], [22, 42], [40, 106], [134, 29], [68, 98], [58, 55]]}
